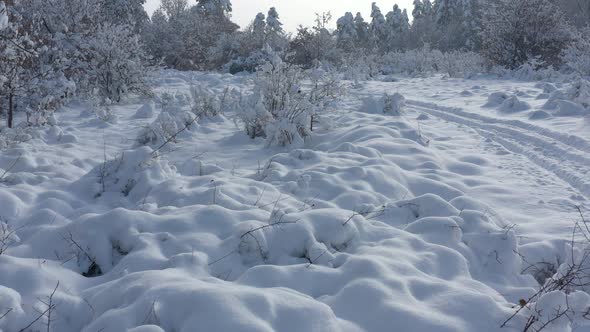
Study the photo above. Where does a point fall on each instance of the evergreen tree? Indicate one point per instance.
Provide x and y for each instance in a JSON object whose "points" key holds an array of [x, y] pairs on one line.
{"points": [[275, 35], [274, 25], [362, 31], [346, 34], [397, 26], [378, 26], [259, 30], [419, 11], [215, 7]]}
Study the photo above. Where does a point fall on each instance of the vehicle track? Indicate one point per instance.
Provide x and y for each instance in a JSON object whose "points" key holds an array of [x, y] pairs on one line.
{"points": [[566, 156]]}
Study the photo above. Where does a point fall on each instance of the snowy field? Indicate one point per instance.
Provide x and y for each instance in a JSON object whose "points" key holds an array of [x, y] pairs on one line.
{"points": [[441, 219]]}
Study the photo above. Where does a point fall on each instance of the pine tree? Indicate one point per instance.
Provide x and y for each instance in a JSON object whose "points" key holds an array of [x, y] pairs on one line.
{"points": [[362, 31], [215, 7], [378, 26], [259, 30], [398, 25], [273, 23], [346, 34], [418, 12], [275, 34]]}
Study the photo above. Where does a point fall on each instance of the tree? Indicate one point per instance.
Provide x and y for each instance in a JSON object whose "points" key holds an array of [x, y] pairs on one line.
{"points": [[423, 29], [419, 11], [377, 27], [346, 33], [314, 45], [515, 32], [173, 8], [258, 30], [362, 31], [128, 12], [60, 47], [216, 8], [116, 67], [30, 79], [577, 11], [275, 35], [398, 25]]}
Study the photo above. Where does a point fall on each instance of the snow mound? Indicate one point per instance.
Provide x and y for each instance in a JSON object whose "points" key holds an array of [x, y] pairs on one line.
{"points": [[496, 99], [514, 105], [539, 115], [146, 111], [568, 108]]}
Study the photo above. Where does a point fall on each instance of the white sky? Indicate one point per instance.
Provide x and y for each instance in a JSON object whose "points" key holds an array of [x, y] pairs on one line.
{"points": [[295, 12]]}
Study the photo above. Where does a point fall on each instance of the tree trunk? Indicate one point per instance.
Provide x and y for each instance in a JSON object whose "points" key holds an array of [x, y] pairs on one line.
{"points": [[10, 110]]}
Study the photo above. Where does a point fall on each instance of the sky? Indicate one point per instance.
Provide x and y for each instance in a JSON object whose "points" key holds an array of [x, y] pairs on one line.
{"points": [[295, 12]]}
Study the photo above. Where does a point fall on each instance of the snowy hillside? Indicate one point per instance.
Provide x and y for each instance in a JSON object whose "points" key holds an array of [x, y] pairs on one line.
{"points": [[436, 219]]}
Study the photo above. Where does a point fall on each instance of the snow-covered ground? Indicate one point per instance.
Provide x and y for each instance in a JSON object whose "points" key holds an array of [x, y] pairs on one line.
{"points": [[419, 222]]}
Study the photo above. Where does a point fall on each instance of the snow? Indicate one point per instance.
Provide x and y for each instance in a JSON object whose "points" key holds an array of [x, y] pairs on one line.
{"points": [[411, 207]]}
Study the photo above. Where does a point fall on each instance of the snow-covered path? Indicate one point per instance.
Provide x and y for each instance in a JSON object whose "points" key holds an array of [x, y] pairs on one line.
{"points": [[566, 156]]}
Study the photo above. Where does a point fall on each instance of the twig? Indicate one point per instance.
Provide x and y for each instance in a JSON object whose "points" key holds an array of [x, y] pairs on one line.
{"points": [[173, 136], [6, 313], [10, 167], [50, 307]]}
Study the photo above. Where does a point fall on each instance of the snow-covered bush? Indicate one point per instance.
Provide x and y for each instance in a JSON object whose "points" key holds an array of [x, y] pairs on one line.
{"points": [[206, 104], [425, 61], [579, 92], [394, 104], [116, 67], [280, 109], [171, 122], [577, 56], [388, 104]]}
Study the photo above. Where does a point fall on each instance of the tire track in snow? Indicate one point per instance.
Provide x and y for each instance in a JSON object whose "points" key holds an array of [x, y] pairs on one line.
{"points": [[555, 152]]}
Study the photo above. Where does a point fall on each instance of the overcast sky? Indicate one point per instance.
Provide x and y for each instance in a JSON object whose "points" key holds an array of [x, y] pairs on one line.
{"points": [[295, 12]]}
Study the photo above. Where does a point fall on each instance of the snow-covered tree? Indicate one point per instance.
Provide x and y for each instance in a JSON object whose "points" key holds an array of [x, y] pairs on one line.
{"points": [[155, 35], [577, 56], [116, 68], [259, 30], [313, 45], [126, 12], [419, 10], [378, 26], [31, 80], [217, 8], [515, 32], [577, 11], [173, 8], [275, 35], [273, 22], [398, 25], [346, 33], [363, 32], [458, 24]]}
